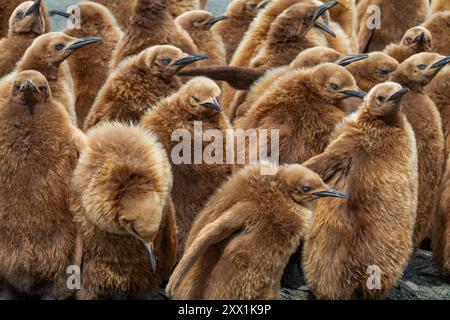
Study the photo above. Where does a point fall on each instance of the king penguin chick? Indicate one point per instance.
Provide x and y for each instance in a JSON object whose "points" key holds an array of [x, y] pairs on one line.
{"points": [[138, 83], [240, 14], [241, 243], [124, 212], [439, 26], [303, 106], [372, 231], [6, 9], [198, 24], [194, 182], [47, 55], [151, 24], [97, 21], [415, 73], [25, 24], [287, 36], [440, 5], [415, 40], [396, 18], [38, 151]]}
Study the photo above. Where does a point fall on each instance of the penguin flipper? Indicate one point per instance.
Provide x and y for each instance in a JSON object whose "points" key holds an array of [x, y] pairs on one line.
{"points": [[237, 77], [329, 165], [365, 36]]}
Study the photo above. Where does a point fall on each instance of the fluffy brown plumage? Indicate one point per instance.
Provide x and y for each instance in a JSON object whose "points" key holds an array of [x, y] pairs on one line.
{"points": [[439, 26], [240, 243], [47, 55], [303, 106], [415, 40], [344, 13], [6, 9], [198, 24], [27, 22], [178, 7], [124, 212], [374, 160], [193, 183], [139, 83], [440, 5], [38, 152], [97, 21], [396, 18], [151, 24], [415, 73]]}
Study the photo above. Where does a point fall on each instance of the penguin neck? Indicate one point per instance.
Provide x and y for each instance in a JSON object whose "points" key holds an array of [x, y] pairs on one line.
{"points": [[51, 72], [406, 81], [148, 13]]}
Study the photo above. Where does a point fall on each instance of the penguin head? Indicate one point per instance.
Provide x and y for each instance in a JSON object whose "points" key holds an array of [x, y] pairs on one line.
{"points": [[384, 100], [202, 96], [55, 47], [198, 20], [420, 69], [333, 83], [377, 68], [314, 56], [165, 61], [304, 185], [30, 88], [418, 39], [27, 18]]}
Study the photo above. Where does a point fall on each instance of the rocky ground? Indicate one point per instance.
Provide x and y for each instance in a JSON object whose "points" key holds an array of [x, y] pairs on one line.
{"points": [[216, 6]]}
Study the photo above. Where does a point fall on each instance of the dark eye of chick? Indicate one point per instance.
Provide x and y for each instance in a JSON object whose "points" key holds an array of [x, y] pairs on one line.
{"points": [[385, 72], [197, 99], [422, 66], [334, 86], [306, 188], [252, 5], [59, 46], [166, 61], [381, 98], [19, 15]]}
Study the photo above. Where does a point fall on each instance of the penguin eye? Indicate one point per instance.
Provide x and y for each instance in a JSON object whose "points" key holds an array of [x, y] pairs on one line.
{"points": [[306, 189], [19, 15], [422, 66], [385, 72], [196, 99], [59, 47], [16, 87], [334, 86], [252, 5], [166, 61], [381, 98]]}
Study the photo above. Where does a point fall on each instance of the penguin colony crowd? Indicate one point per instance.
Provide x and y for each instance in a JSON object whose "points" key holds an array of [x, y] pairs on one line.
{"points": [[86, 173]]}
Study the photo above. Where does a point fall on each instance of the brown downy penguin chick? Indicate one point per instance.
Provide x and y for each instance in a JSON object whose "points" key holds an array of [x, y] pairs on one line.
{"points": [[178, 7], [415, 73], [198, 24], [240, 14], [307, 59], [38, 152], [151, 24], [374, 160], [193, 183], [97, 21], [396, 18], [47, 55], [241, 243], [415, 40], [439, 26], [344, 13], [287, 36], [440, 5], [303, 106], [25, 24], [6, 9], [124, 212], [139, 83]]}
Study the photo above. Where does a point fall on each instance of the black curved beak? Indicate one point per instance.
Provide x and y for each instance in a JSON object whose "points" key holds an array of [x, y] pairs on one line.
{"points": [[215, 105], [28, 86], [214, 20], [396, 96], [190, 59], [331, 193], [352, 58], [441, 63], [59, 13], [83, 42], [324, 8], [354, 93], [34, 7], [324, 27], [264, 5], [150, 255]]}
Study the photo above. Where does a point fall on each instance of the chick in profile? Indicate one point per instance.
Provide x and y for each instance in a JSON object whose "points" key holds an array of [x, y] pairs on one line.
{"points": [[303, 106], [139, 83], [97, 21], [124, 213], [396, 18], [439, 26], [26, 23], [194, 109], [240, 243], [240, 14], [372, 231], [6, 10], [198, 24], [415, 73], [415, 40], [47, 55], [151, 24], [38, 152]]}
